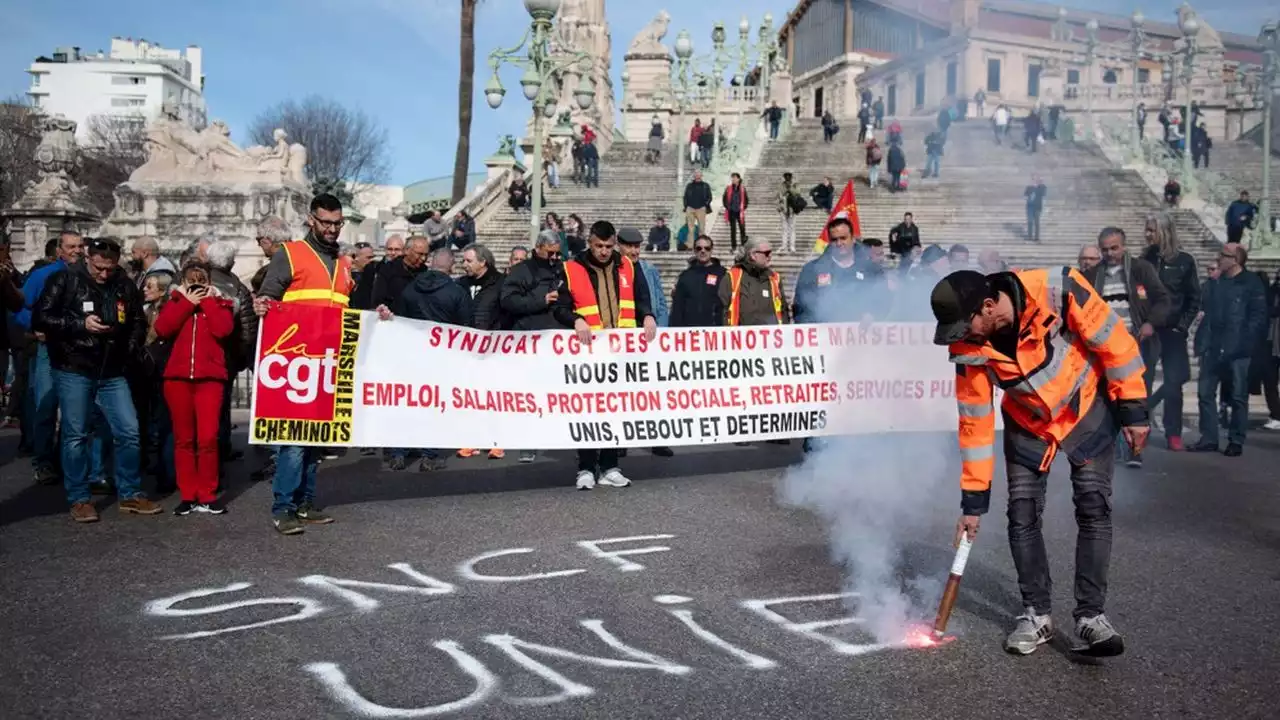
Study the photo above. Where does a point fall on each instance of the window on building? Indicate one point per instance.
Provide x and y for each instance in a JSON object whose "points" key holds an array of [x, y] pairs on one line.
{"points": [[37, 100], [993, 75], [817, 102], [1073, 77], [1110, 77], [919, 89], [1144, 75], [891, 100], [35, 80], [128, 102], [1033, 81], [128, 80], [953, 72]]}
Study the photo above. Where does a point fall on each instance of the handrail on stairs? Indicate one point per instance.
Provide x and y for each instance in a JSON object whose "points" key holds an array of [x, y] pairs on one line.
{"points": [[480, 203], [1155, 163]]}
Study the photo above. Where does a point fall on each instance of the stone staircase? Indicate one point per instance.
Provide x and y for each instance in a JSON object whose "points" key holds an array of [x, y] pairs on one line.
{"points": [[1241, 164]]}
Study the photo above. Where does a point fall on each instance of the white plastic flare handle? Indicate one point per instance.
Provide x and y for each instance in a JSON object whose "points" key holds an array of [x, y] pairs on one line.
{"points": [[962, 556]]}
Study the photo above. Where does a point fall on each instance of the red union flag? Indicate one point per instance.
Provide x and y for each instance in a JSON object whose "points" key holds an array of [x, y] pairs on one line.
{"points": [[298, 396], [846, 206]]}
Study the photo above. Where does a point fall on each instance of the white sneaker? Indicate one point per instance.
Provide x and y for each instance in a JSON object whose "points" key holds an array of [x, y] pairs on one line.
{"points": [[1271, 425], [614, 478], [586, 480], [1031, 632]]}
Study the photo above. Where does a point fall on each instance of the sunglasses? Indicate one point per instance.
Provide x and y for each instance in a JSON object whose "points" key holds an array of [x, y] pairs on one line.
{"points": [[702, 248], [766, 253]]}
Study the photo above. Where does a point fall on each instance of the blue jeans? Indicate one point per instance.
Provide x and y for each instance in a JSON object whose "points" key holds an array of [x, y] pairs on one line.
{"points": [[78, 396], [931, 165], [43, 403], [553, 175], [1211, 376], [593, 173], [773, 129], [1177, 371], [295, 479]]}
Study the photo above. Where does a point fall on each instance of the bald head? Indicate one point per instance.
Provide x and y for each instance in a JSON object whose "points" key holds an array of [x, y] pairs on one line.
{"points": [[1089, 257]]}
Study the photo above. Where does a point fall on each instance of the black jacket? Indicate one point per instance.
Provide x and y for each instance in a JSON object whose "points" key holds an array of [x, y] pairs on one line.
{"points": [[390, 283], [644, 308], [523, 296], [70, 297], [697, 195], [695, 300], [241, 343], [1235, 317], [486, 314], [1148, 298], [902, 238], [435, 296], [1182, 280]]}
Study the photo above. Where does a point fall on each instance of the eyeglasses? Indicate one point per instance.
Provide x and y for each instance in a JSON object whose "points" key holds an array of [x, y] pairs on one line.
{"points": [[363, 245], [766, 253], [703, 248], [331, 224]]}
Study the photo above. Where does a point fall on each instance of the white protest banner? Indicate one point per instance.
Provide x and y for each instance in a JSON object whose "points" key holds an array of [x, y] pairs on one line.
{"points": [[343, 377]]}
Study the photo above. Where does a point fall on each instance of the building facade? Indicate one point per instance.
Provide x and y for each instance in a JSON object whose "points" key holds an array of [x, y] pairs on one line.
{"points": [[922, 55], [134, 79]]}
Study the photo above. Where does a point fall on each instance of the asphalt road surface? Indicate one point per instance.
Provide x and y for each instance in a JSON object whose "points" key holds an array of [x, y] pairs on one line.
{"points": [[486, 591]]}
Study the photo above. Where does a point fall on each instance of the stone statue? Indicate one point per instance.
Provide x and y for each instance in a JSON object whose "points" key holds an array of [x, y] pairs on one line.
{"points": [[58, 162], [176, 153], [1206, 37], [649, 40]]}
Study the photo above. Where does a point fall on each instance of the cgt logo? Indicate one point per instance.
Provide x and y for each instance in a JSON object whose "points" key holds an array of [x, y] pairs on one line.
{"points": [[289, 365]]}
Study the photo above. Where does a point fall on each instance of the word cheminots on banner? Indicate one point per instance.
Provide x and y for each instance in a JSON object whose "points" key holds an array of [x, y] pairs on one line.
{"points": [[340, 377]]}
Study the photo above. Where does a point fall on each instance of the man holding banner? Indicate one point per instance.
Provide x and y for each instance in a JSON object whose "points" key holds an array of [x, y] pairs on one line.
{"points": [[305, 272], [606, 292]]}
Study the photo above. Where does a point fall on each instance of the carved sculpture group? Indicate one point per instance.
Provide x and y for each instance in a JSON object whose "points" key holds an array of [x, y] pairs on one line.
{"points": [[176, 153]]}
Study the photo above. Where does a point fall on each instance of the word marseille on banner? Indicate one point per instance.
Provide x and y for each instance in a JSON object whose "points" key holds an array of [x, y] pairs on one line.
{"points": [[329, 376]]}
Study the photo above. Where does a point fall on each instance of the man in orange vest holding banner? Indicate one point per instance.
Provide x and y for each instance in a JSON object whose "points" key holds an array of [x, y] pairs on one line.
{"points": [[1072, 376], [606, 291], [305, 272]]}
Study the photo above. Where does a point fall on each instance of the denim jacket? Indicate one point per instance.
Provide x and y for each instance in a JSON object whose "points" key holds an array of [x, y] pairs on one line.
{"points": [[657, 298]]}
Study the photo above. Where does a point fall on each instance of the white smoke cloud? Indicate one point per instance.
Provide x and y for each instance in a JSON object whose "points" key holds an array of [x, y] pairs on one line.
{"points": [[878, 496]]}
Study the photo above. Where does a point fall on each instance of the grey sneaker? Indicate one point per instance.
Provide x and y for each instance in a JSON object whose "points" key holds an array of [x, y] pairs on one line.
{"points": [[586, 480], [1031, 632], [1099, 636], [528, 456], [287, 524], [311, 515]]}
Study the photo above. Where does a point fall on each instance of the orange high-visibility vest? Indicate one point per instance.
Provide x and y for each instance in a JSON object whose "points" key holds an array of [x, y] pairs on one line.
{"points": [[735, 287], [312, 284], [585, 303], [1068, 339]]}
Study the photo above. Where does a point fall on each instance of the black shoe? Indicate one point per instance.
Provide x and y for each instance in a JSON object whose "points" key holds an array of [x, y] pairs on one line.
{"points": [[662, 451], [622, 452], [287, 524], [432, 464], [102, 487], [47, 476], [1203, 447], [311, 515], [211, 508], [1233, 450], [1134, 462], [369, 452], [397, 464], [184, 508], [233, 456], [784, 441]]}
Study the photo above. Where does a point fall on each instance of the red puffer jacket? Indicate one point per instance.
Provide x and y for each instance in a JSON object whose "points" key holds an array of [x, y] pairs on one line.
{"points": [[197, 333]]}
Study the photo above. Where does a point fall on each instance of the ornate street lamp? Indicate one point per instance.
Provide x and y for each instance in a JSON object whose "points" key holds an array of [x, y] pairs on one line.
{"points": [[543, 72], [1269, 38], [1137, 38], [1091, 50], [1190, 27], [682, 89]]}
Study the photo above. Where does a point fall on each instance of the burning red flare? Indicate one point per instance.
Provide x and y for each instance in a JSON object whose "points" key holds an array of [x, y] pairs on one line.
{"points": [[922, 638]]}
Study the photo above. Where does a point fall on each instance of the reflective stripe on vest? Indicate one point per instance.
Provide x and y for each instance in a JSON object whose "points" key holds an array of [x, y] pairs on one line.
{"points": [[585, 302], [1068, 339], [735, 295], [312, 284]]}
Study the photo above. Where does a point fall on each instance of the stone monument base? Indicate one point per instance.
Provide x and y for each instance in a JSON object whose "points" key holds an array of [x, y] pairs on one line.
{"points": [[30, 229], [177, 213]]}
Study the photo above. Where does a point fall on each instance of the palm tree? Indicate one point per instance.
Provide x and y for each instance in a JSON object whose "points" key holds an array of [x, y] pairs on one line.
{"points": [[466, 92]]}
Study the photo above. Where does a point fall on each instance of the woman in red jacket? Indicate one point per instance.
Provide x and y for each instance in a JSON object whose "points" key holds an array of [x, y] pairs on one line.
{"points": [[196, 319]]}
